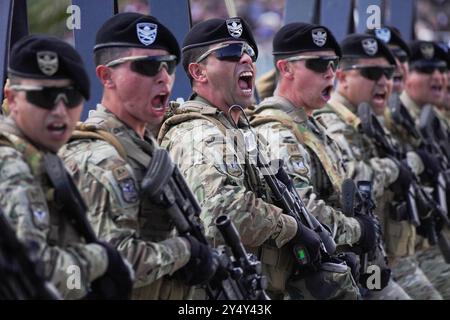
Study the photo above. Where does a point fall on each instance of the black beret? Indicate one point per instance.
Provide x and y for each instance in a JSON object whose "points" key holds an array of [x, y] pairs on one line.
{"points": [[136, 30], [427, 51], [219, 30], [359, 45], [44, 57], [391, 36], [301, 37]]}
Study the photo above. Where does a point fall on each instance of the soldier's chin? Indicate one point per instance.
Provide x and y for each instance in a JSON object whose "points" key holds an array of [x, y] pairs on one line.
{"points": [[378, 107], [245, 100]]}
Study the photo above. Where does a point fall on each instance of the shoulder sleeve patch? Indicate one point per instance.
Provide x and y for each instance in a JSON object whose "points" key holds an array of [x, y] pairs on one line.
{"points": [[293, 149]]}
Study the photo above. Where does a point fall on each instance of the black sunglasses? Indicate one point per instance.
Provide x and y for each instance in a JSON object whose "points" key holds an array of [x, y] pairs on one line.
{"points": [[318, 64], [230, 52], [148, 66], [400, 54], [429, 67], [48, 97], [373, 73]]}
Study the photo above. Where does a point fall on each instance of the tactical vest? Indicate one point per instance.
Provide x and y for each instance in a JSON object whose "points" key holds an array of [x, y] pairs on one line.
{"points": [[153, 221], [308, 138], [194, 110], [345, 114], [61, 231], [277, 263], [360, 146], [399, 235]]}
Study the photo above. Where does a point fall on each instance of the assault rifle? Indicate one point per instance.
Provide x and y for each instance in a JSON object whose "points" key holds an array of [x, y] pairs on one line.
{"points": [[436, 139], [239, 274], [72, 204], [415, 195], [357, 200]]}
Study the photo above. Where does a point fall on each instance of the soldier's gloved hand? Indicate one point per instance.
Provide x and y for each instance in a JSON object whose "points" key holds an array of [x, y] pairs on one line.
{"points": [[351, 260], [405, 177], [117, 282], [431, 164], [201, 266], [369, 232], [306, 246]]}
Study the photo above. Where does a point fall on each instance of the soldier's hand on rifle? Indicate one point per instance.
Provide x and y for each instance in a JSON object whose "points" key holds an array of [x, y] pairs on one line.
{"points": [[202, 265], [369, 232], [117, 282], [306, 246], [431, 164], [415, 162], [405, 177]]}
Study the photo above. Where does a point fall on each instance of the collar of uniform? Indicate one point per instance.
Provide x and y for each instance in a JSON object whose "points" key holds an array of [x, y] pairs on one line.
{"points": [[9, 125], [343, 100], [139, 149], [409, 103], [114, 123], [223, 116], [297, 114]]}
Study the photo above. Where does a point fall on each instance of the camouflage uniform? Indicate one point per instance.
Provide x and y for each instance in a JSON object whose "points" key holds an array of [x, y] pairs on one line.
{"points": [[224, 180], [406, 269], [266, 84], [27, 198], [429, 258], [312, 159], [400, 237], [108, 160], [342, 125]]}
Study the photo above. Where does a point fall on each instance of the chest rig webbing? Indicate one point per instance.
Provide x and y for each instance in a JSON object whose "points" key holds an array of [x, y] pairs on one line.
{"points": [[306, 136], [194, 110], [61, 231], [154, 223]]}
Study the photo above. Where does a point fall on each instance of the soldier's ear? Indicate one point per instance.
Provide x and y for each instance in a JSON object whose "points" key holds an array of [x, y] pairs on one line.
{"points": [[10, 99], [285, 69], [104, 75], [197, 72], [341, 77]]}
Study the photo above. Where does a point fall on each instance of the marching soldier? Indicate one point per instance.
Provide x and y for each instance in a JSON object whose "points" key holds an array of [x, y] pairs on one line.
{"points": [[365, 75], [426, 85], [219, 56], [136, 56], [306, 58], [48, 85]]}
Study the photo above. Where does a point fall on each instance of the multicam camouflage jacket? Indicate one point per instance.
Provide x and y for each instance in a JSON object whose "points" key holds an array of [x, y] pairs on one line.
{"points": [[26, 197], [108, 160]]}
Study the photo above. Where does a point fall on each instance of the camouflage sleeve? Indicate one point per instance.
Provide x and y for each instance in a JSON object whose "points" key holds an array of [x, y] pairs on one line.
{"points": [[110, 189], [24, 203], [199, 150], [381, 171], [284, 145]]}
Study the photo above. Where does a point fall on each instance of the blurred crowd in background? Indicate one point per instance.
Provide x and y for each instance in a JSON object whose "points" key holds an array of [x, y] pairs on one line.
{"points": [[264, 16]]}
